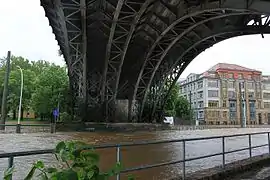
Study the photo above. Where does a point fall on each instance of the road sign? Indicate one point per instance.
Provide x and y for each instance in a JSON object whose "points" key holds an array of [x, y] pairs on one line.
{"points": [[55, 112]]}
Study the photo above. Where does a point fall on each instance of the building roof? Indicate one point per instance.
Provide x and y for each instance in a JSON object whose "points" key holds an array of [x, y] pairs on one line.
{"points": [[230, 67]]}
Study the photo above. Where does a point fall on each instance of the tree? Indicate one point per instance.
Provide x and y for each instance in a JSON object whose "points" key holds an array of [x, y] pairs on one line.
{"points": [[51, 87], [182, 109], [15, 84], [177, 105], [45, 85]]}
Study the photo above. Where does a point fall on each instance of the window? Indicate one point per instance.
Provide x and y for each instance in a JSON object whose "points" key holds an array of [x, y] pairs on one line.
{"points": [[224, 103], [257, 78], [213, 104], [224, 114], [200, 94], [266, 86], [232, 115], [231, 94], [224, 92], [232, 110], [182, 90], [251, 95], [252, 110], [258, 94], [250, 85], [240, 76], [258, 86], [212, 93], [259, 105], [213, 83], [224, 84], [231, 84], [266, 95], [230, 75], [232, 105], [249, 77], [243, 95], [266, 105], [200, 104], [222, 75], [200, 85], [242, 85], [213, 114], [200, 115]]}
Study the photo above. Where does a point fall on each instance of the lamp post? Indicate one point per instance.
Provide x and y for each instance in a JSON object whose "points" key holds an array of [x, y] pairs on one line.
{"points": [[18, 129]]}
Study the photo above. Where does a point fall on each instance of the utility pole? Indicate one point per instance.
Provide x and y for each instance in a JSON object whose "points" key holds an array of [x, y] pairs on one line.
{"points": [[190, 113], [242, 108], [5, 93]]}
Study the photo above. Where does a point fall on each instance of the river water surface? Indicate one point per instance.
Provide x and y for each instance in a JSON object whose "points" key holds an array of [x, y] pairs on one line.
{"points": [[136, 156]]}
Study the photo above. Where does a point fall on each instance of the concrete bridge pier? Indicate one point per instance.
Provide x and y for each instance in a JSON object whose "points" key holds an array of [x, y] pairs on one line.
{"points": [[122, 113]]}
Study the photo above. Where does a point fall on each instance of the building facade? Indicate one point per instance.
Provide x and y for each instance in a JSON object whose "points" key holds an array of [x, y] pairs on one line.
{"points": [[227, 94]]}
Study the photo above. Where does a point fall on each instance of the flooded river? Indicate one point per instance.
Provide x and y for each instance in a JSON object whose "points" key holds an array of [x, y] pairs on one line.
{"points": [[136, 156]]}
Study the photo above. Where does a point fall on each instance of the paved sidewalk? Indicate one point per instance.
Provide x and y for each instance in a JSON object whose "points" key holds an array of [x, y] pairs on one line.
{"points": [[257, 174]]}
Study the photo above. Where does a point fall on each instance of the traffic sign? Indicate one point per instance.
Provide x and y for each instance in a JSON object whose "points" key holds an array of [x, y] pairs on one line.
{"points": [[55, 112]]}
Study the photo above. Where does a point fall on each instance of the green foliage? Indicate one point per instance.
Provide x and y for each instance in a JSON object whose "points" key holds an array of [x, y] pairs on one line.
{"points": [[65, 117], [45, 85], [78, 161], [177, 105], [51, 87]]}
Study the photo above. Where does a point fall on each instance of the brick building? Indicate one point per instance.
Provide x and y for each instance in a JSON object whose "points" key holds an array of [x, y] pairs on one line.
{"points": [[215, 95]]}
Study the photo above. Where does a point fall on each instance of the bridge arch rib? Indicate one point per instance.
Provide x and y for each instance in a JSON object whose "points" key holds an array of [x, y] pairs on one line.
{"points": [[155, 63], [99, 59], [122, 29], [173, 73]]}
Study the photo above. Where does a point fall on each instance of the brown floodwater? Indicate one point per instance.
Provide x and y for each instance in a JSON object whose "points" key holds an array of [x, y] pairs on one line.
{"points": [[135, 156]]}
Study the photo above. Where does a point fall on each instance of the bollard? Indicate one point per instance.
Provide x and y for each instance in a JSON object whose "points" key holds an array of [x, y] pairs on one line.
{"points": [[52, 128], [18, 128]]}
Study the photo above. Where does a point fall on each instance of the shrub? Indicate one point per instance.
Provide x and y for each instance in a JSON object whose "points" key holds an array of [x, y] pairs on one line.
{"points": [[77, 160]]}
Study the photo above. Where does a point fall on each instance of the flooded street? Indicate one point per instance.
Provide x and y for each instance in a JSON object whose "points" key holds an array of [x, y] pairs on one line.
{"points": [[136, 156]]}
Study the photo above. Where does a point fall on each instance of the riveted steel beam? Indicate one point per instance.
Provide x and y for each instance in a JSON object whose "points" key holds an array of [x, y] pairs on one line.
{"points": [[167, 36], [187, 56], [122, 29], [108, 54], [157, 60], [84, 58]]}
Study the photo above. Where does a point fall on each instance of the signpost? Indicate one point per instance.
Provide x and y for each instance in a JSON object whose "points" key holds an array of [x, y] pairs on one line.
{"points": [[53, 123]]}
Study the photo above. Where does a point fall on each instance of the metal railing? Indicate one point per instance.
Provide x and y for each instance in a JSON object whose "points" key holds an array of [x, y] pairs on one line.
{"points": [[118, 147], [51, 126]]}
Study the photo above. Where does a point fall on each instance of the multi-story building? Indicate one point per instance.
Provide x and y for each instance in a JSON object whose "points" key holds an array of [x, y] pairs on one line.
{"points": [[216, 98]]}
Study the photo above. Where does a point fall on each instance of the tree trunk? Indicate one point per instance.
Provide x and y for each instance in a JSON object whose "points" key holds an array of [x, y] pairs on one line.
{"points": [[14, 114]]}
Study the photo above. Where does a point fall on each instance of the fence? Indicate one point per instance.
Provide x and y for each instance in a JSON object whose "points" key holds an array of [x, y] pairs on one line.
{"points": [[25, 126], [118, 147]]}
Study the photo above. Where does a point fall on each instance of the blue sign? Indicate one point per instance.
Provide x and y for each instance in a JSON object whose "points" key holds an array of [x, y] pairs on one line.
{"points": [[55, 112]]}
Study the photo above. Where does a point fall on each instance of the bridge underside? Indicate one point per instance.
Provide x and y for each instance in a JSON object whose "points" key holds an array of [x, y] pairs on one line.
{"points": [[124, 56]]}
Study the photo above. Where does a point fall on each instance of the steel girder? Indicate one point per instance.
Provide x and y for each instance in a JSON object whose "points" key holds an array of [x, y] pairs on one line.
{"points": [[126, 18], [163, 49], [59, 29], [190, 53], [65, 20], [159, 45]]}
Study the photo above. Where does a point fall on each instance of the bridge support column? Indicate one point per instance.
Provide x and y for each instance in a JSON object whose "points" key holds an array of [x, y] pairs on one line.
{"points": [[122, 113]]}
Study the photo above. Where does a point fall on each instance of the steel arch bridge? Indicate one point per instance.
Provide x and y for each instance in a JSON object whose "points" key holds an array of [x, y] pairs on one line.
{"points": [[124, 56]]}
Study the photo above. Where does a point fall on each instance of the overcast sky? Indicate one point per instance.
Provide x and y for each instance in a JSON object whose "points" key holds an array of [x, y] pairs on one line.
{"points": [[26, 32]]}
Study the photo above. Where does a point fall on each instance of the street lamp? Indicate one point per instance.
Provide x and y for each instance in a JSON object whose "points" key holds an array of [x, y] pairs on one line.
{"points": [[18, 129]]}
